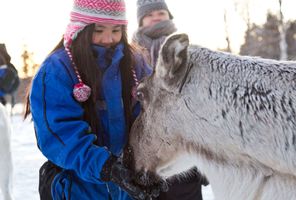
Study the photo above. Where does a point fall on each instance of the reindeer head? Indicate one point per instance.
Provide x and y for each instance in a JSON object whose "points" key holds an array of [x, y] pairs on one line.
{"points": [[155, 140]]}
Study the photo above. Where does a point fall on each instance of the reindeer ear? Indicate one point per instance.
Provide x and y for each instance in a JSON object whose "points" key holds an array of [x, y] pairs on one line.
{"points": [[172, 56]]}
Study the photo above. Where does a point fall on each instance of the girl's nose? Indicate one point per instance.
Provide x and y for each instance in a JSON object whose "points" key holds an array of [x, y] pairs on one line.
{"points": [[107, 40]]}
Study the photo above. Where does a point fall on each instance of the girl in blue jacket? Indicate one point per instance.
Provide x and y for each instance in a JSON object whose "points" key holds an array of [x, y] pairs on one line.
{"points": [[82, 106]]}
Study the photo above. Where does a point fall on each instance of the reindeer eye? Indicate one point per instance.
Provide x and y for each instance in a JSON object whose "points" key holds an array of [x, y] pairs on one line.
{"points": [[140, 96]]}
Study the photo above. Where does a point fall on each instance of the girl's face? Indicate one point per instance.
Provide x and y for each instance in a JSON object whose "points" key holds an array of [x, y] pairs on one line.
{"points": [[107, 35], [155, 17]]}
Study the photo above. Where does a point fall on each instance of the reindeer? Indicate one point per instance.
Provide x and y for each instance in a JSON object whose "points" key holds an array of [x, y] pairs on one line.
{"points": [[232, 117], [5, 155]]}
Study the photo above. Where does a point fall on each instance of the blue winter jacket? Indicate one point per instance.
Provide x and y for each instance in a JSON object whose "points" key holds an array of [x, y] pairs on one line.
{"points": [[2, 72], [2, 94], [66, 139]]}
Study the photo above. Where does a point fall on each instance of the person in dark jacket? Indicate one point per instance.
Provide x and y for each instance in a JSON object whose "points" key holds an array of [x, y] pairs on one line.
{"points": [[154, 25], [9, 79], [3, 65], [82, 105]]}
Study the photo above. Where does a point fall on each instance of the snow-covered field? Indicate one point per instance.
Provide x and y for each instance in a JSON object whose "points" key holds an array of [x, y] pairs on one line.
{"points": [[27, 159]]}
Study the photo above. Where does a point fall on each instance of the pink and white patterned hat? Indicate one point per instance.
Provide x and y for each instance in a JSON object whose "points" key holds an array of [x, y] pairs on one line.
{"points": [[87, 12]]}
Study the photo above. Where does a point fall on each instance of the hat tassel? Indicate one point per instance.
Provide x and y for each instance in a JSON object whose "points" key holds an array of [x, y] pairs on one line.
{"points": [[81, 91]]}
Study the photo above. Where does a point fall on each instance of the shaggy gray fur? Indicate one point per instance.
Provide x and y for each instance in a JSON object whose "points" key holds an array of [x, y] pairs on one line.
{"points": [[231, 116]]}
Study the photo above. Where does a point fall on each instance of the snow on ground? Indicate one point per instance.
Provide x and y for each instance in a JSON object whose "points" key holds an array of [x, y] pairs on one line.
{"points": [[27, 160]]}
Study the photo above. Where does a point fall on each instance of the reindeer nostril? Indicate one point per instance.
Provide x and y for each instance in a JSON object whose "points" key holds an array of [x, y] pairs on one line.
{"points": [[155, 192], [164, 186], [145, 179], [141, 178]]}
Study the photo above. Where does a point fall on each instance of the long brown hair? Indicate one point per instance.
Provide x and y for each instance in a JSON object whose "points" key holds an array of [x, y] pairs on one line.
{"points": [[87, 66]]}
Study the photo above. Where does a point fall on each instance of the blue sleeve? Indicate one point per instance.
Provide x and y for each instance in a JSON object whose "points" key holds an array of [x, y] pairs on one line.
{"points": [[142, 67], [2, 94], [62, 134], [3, 70], [2, 73]]}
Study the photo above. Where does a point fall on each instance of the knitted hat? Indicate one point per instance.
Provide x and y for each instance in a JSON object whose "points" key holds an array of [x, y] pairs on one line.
{"points": [[147, 6], [87, 12]]}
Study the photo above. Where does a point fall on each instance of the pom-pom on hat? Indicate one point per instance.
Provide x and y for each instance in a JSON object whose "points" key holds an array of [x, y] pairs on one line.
{"points": [[87, 12], [144, 7]]}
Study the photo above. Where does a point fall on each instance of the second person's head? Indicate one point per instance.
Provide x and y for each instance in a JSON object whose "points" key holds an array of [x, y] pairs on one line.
{"points": [[151, 12]]}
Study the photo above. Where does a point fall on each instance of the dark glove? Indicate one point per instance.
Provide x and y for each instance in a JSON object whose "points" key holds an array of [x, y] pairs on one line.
{"points": [[198, 176], [113, 170], [204, 181]]}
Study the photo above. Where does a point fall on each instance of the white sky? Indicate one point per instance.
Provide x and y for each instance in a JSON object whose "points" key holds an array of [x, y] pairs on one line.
{"points": [[39, 24]]}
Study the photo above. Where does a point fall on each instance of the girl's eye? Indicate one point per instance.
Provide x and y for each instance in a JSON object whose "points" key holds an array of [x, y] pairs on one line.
{"points": [[116, 31], [99, 31], [140, 96]]}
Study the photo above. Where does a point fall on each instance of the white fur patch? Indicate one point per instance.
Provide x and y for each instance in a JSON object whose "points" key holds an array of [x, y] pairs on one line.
{"points": [[5, 155], [182, 163]]}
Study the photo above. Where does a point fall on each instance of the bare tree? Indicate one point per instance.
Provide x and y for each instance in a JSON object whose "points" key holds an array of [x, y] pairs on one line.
{"points": [[227, 37], [29, 65], [25, 58], [283, 31], [243, 9], [291, 40]]}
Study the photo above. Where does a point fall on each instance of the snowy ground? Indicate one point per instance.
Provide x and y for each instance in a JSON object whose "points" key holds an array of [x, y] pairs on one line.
{"points": [[27, 159]]}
